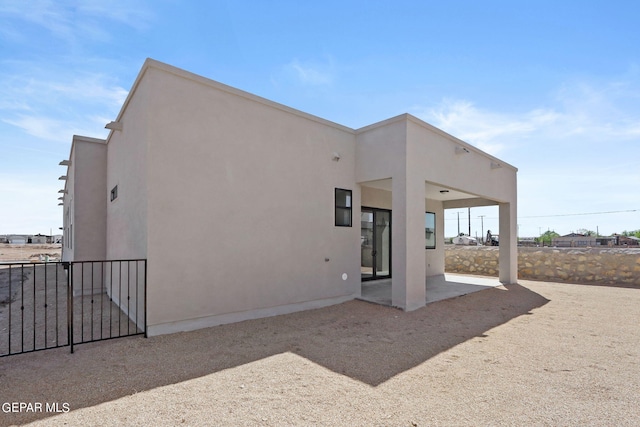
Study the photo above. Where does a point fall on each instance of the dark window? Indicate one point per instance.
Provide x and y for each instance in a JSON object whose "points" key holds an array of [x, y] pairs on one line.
{"points": [[430, 230], [114, 193], [343, 208]]}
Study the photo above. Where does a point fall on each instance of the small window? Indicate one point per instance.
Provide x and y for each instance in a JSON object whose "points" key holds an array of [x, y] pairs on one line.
{"points": [[114, 193], [343, 208], [430, 230]]}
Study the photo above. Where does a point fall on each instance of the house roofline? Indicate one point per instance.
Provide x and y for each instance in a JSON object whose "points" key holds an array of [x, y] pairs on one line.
{"points": [[410, 118], [81, 138], [170, 69], [179, 72]]}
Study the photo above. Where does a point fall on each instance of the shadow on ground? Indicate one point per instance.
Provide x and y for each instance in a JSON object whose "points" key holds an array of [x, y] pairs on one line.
{"points": [[335, 337]]}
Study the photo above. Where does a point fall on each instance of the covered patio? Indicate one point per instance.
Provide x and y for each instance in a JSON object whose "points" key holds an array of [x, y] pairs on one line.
{"points": [[409, 173], [437, 288]]}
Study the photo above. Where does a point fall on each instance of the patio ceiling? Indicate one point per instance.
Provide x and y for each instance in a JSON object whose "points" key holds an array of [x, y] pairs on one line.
{"points": [[432, 191], [450, 197]]}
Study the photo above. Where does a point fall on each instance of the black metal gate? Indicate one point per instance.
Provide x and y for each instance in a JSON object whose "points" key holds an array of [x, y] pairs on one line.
{"points": [[56, 304]]}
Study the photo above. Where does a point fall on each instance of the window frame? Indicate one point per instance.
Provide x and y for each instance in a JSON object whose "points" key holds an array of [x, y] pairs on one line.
{"points": [[337, 207], [434, 231]]}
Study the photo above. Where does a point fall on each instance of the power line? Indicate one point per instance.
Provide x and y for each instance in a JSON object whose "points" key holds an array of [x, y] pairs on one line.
{"points": [[578, 214], [571, 214]]}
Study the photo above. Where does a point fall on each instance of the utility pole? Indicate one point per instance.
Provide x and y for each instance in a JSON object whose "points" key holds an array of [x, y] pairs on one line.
{"points": [[469, 214], [458, 223], [482, 227]]}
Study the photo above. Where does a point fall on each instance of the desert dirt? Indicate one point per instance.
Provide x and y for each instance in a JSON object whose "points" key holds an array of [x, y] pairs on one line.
{"points": [[28, 253], [530, 354], [34, 302]]}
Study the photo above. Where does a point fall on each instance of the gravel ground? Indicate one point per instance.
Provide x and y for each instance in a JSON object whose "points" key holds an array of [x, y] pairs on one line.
{"points": [[530, 354], [34, 316], [26, 253]]}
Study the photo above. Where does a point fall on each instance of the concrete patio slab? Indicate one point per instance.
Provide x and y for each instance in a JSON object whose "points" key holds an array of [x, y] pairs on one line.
{"points": [[438, 288]]}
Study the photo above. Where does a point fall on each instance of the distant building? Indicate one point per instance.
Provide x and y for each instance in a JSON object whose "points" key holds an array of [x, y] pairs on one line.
{"points": [[580, 240], [39, 239], [606, 241], [626, 240], [527, 241], [22, 239], [574, 240], [17, 239]]}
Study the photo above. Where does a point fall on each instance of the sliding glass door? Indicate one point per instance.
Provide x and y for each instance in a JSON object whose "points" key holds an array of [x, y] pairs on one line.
{"points": [[375, 243]]}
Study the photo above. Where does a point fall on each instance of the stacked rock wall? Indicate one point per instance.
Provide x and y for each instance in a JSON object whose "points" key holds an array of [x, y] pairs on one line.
{"points": [[609, 266]]}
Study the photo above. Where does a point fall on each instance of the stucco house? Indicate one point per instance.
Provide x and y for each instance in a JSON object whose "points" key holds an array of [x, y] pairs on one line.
{"points": [[246, 208]]}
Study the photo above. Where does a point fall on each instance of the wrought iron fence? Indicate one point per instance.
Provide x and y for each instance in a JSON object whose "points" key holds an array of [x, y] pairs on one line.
{"points": [[56, 304]]}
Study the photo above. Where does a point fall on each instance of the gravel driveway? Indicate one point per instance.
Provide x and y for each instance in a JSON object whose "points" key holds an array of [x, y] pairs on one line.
{"points": [[530, 354]]}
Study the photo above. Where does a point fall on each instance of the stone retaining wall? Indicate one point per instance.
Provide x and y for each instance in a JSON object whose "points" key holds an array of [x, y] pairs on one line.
{"points": [[609, 266]]}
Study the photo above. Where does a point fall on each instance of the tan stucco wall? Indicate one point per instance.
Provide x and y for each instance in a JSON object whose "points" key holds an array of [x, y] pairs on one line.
{"points": [[84, 211], [127, 168], [85, 200], [474, 172], [380, 150], [375, 198], [231, 199], [241, 206], [67, 208], [434, 151], [403, 154]]}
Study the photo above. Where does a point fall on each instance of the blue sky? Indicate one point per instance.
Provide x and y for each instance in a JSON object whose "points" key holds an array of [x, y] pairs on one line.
{"points": [[552, 87]]}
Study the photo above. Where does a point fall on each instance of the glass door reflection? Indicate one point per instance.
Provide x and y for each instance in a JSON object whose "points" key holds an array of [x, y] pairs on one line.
{"points": [[375, 243]]}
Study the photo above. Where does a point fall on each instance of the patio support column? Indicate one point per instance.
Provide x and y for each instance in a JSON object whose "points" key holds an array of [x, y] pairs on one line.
{"points": [[407, 250], [508, 249]]}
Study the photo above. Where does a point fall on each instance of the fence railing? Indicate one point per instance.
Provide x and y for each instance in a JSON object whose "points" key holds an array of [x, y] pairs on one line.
{"points": [[56, 304]]}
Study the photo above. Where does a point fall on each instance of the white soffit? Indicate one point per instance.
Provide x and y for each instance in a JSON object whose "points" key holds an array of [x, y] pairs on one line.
{"points": [[432, 191]]}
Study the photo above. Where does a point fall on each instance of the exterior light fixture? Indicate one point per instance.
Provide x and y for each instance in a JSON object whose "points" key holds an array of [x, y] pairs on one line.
{"points": [[335, 156], [444, 191], [63, 178], [63, 191], [462, 150], [113, 126], [65, 163], [60, 204], [60, 198]]}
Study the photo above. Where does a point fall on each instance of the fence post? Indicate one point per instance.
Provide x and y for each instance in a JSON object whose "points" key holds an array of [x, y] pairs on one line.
{"points": [[70, 303], [145, 299]]}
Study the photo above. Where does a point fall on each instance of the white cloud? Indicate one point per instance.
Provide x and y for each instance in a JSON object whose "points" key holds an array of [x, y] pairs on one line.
{"points": [[56, 107], [32, 200], [579, 153], [488, 130], [74, 20], [21, 90], [90, 87], [129, 12], [579, 114], [51, 129], [312, 73]]}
